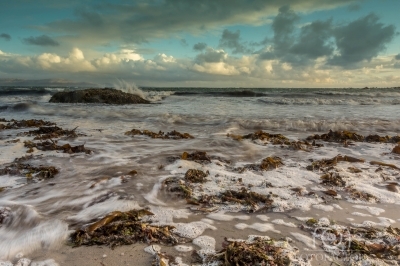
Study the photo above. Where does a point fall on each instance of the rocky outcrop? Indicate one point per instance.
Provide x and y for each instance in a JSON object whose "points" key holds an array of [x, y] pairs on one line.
{"points": [[108, 96]]}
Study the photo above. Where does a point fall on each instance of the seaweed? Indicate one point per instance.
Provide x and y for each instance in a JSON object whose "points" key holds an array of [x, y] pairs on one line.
{"points": [[384, 164], [344, 136], [333, 179], [195, 176], [250, 198], [51, 132], [160, 135], [328, 164], [15, 124], [178, 187], [53, 146], [197, 156], [123, 228], [269, 163], [40, 172], [365, 196], [396, 149], [258, 252], [4, 213]]}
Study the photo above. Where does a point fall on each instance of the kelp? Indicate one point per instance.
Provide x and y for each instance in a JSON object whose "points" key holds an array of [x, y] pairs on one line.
{"points": [[15, 124], [52, 132], [396, 149], [333, 179], [39, 172], [369, 241], [269, 163], [4, 213], [195, 176], [178, 187], [53, 146], [328, 164], [344, 136], [360, 195], [197, 156], [384, 164], [252, 199], [160, 135], [123, 228], [258, 252]]}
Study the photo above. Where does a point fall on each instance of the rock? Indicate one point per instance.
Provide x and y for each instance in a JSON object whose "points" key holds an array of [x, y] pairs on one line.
{"points": [[108, 96], [396, 149]]}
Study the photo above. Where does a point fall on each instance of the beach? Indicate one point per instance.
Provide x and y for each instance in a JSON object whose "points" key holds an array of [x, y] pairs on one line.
{"points": [[312, 169]]}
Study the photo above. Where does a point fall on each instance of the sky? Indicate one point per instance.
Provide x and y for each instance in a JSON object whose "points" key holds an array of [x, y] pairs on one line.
{"points": [[207, 43]]}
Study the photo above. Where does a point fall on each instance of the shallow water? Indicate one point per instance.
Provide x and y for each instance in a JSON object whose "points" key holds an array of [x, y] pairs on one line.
{"points": [[91, 185]]}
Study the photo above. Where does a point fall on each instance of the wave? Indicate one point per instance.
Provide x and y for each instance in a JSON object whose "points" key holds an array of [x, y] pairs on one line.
{"points": [[227, 93], [24, 91], [330, 101]]}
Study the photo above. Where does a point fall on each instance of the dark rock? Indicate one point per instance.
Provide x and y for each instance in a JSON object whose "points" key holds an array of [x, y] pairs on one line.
{"points": [[108, 96]]}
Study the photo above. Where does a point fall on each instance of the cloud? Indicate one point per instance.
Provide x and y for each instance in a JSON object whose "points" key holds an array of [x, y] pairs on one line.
{"points": [[231, 40], [354, 7], [361, 40], [160, 19], [184, 42], [42, 40], [397, 57], [211, 55], [5, 36], [199, 46]]}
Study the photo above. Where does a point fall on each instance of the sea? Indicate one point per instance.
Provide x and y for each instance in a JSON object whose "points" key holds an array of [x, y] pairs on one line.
{"points": [[41, 214]]}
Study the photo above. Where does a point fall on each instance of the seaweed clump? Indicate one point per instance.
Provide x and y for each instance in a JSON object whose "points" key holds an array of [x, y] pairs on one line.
{"points": [[40, 172], [197, 156], [195, 176], [52, 132], [269, 163], [123, 228], [15, 124], [4, 213], [260, 251], [344, 136], [371, 242], [53, 146], [255, 201], [160, 135], [328, 164]]}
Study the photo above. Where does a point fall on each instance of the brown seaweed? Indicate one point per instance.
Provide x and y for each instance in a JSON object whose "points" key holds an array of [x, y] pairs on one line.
{"points": [[40, 172], [333, 179], [197, 156], [384, 164], [123, 228], [252, 199], [51, 132], [15, 124], [269, 163], [328, 164], [344, 136], [195, 176], [258, 252], [53, 146], [160, 135]]}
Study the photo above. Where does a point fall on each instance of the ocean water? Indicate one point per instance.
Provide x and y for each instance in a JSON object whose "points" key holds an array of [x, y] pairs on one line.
{"points": [[91, 185]]}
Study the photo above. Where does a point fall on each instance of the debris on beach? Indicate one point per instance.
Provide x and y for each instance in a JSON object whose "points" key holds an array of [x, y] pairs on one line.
{"points": [[37, 172], [177, 186], [269, 163], [197, 156], [333, 179], [15, 124], [360, 195], [380, 246], [52, 132], [124, 228], [384, 164], [275, 139], [345, 136], [328, 164], [253, 200], [257, 250], [53, 146], [160, 135], [396, 149], [195, 176]]}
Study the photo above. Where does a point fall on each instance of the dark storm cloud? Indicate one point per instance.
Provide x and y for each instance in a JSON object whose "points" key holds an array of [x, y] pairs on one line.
{"points": [[361, 40], [344, 45], [231, 40], [310, 43], [5, 36], [313, 40], [199, 46], [139, 21], [43, 40], [397, 57]]}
